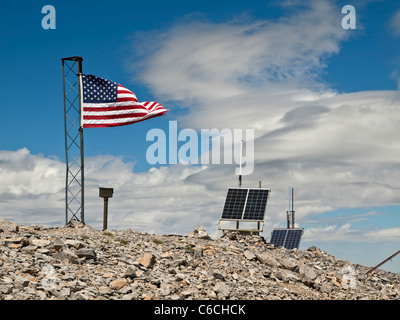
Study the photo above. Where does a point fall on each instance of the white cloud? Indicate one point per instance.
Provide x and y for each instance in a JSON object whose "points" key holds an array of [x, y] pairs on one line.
{"points": [[23, 173], [173, 199], [348, 233], [203, 61], [388, 234], [165, 200], [31, 187], [331, 233]]}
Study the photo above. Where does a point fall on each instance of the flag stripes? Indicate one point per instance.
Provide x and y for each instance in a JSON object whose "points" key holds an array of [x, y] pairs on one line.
{"points": [[108, 104]]}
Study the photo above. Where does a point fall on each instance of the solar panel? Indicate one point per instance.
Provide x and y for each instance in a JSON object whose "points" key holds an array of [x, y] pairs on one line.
{"points": [[234, 204], [278, 237], [245, 204], [293, 239], [256, 204], [287, 238]]}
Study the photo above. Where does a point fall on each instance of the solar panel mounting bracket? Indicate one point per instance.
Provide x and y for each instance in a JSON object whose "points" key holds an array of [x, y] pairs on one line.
{"points": [[260, 226]]}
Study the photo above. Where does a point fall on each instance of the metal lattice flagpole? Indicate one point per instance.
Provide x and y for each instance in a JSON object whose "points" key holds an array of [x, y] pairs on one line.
{"points": [[74, 182]]}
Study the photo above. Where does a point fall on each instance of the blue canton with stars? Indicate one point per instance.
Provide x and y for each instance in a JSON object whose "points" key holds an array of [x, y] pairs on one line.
{"points": [[98, 90]]}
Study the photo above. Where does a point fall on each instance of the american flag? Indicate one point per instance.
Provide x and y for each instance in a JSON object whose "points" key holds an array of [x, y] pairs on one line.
{"points": [[107, 104]]}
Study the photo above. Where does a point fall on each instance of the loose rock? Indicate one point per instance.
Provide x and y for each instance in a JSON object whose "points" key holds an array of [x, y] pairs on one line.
{"points": [[118, 284], [147, 260], [77, 262]]}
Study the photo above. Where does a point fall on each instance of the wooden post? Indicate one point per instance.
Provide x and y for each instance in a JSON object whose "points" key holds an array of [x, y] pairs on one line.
{"points": [[105, 193], [105, 215]]}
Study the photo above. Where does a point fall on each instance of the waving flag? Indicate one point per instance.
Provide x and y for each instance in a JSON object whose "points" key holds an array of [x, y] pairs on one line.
{"points": [[107, 104]]}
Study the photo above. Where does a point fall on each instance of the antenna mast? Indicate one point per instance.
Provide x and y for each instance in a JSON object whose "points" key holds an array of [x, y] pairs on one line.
{"points": [[292, 207], [240, 165], [290, 213]]}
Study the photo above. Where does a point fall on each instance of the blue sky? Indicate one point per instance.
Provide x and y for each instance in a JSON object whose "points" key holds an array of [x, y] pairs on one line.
{"points": [[323, 102]]}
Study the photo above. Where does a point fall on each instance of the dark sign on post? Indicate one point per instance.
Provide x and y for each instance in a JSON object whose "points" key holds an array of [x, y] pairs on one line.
{"points": [[105, 193]]}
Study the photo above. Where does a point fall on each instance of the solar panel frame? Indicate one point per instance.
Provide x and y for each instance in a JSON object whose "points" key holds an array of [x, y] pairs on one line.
{"points": [[287, 238]]}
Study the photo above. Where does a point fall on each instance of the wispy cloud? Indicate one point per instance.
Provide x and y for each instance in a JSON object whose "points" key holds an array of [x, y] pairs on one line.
{"points": [[395, 23], [204, 61], [388, 234], [347, 232]]}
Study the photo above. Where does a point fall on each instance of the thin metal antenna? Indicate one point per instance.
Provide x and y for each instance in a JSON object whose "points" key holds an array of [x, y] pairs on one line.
{"points": [[240, 165], [288, 211], [292, 207]]}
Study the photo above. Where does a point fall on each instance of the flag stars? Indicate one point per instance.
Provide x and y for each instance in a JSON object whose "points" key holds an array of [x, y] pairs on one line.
{"points": [[98, 90]]}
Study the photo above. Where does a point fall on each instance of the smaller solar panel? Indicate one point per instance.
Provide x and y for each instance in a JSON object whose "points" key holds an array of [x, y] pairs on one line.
{"points": [[287, 238], [293, 239], [278, 237]]}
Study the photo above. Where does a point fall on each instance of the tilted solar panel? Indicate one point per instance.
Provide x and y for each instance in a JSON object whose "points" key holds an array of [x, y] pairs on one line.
{"points": [[293, 239], [287, 238], [278, 237]]}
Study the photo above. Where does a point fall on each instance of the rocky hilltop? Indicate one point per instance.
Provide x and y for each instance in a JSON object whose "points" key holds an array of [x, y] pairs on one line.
{"points": [[77, 262]]}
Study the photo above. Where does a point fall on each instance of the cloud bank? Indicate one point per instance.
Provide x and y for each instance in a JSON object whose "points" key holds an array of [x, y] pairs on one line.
{"points": [[339, 150]]}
